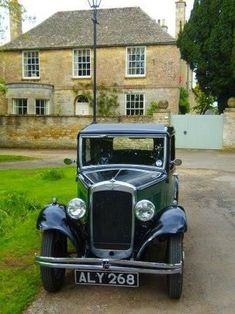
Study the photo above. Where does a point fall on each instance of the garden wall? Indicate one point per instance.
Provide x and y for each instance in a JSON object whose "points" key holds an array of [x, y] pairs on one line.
{"points": [[61, 132], [56, 131], [229, 128]]}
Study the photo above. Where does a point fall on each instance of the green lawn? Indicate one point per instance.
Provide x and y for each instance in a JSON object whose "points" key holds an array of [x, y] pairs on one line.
{"points": [[7, 158], [22, 194]]}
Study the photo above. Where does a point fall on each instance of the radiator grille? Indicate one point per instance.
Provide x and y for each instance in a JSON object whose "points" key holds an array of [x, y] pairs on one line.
{"points": [[112, 220]]}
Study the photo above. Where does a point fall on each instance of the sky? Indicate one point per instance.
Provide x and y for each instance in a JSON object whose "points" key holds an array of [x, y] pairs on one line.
{"points": [[156, 9]]}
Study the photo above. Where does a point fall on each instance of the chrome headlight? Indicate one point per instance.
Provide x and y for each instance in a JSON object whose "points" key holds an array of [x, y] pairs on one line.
{"points": [[144, 210], [76, 208]]}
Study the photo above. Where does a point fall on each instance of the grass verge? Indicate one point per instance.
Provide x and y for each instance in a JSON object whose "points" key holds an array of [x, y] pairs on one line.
{"points": [[22, 194], [9, 158]]}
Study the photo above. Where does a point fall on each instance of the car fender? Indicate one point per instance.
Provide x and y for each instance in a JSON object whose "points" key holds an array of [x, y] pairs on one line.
{"points": [[53, 217], [172, 221]]}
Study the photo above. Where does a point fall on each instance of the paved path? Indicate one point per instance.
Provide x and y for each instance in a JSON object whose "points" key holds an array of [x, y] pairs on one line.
{"points": [[45, 158], [197, 159]]}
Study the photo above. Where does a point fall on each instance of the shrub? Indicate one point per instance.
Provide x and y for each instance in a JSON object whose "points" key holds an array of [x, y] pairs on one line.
{"points": [[14, 207], [52, 174], [3, 88], [204, 101], [152, 108], [17, 203], [184, 106]]}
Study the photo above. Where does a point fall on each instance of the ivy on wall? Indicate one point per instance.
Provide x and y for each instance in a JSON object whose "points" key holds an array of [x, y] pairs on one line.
{"points": [[107, 98]]}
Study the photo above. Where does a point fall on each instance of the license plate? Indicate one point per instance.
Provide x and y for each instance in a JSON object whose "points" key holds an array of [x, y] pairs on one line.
{"points": [[105, 278]]}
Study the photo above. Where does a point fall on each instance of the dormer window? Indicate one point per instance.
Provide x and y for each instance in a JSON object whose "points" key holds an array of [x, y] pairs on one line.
{"points": [[135, 61], [31, 64]]}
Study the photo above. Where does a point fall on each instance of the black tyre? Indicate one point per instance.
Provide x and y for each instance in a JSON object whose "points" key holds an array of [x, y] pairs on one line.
{"points": [[175, 255], [54, 244]]}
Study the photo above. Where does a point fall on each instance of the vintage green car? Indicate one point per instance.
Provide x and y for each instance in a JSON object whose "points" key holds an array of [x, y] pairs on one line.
{"points": [[125, 219]]}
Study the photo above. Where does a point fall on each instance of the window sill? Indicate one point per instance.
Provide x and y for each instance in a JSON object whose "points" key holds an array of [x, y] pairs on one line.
{"points": [[135, 76], [29, 115], [18, 115], [81, 77], [30, 78]]}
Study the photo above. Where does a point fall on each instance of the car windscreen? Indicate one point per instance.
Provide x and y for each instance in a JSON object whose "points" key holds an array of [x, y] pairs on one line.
{"points": [[109, 150]]}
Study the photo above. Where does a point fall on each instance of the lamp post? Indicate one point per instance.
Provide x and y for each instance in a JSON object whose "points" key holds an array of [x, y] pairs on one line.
{"points": [[94, 4]]}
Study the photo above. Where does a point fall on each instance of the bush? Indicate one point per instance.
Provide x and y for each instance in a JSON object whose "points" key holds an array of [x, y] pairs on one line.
{"points": [[204, 101], [14, 207], [3, 88], [152, 108], [52, 174], [184, 106]]}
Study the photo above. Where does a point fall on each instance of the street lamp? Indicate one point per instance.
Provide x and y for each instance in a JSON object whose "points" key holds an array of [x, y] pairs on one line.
{"points": [[94, 4]]}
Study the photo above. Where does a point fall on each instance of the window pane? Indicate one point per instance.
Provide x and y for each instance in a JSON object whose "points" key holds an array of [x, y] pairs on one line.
{"points": [[41, 106], [134, 104], [20, 106], [31, 64], [81, 62], [136, 61]]}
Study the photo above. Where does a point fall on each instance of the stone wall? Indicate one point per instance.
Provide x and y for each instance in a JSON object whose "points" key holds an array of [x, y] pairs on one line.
{"points": [[61, 132], [57, 131], [3, 103], [229, 128]]}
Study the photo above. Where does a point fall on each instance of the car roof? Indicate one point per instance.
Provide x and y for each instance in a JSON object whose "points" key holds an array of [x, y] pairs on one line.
{"points": [[129, 128]]}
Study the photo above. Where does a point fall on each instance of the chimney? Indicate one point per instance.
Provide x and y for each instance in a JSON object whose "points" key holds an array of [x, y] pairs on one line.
{"points": [[163, 25], [15, 19], [180, 16]]}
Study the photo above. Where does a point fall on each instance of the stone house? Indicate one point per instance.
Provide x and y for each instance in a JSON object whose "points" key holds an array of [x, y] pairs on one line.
{"points": [[48, 68]]}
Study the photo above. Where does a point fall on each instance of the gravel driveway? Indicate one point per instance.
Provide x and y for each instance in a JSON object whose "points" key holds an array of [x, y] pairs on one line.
{"points": [[207, 192]]}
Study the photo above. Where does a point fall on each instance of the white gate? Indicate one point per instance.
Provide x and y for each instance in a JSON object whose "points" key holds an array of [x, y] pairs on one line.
{"points": [[198, 131]]}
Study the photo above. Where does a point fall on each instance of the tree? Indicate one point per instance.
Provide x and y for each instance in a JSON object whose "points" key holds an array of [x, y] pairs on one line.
{"points": [[4, 3], [184, 106], [13, 6], [5, 6], [207, 43], [204, 102], [16, 9]]}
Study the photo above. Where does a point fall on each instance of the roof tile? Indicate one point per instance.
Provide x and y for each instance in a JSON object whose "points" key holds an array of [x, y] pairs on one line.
{"points": [[116, 27]]}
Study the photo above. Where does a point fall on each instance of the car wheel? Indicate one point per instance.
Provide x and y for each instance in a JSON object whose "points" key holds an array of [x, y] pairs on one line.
{"points": [[175, 255], [54, 244]]}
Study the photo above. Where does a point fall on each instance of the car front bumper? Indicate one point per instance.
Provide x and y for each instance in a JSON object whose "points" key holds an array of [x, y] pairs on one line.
{"points": [[97, 264]]}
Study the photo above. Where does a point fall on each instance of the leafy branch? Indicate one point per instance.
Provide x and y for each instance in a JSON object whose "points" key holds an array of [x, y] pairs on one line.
{"points": [[3, 88]]}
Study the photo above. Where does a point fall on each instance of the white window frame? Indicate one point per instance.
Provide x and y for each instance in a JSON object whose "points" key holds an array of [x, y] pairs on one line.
{"points": [[17, 104], [44, 102], [35, 73], [76, 63], [134, 108], [137, 61]]}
